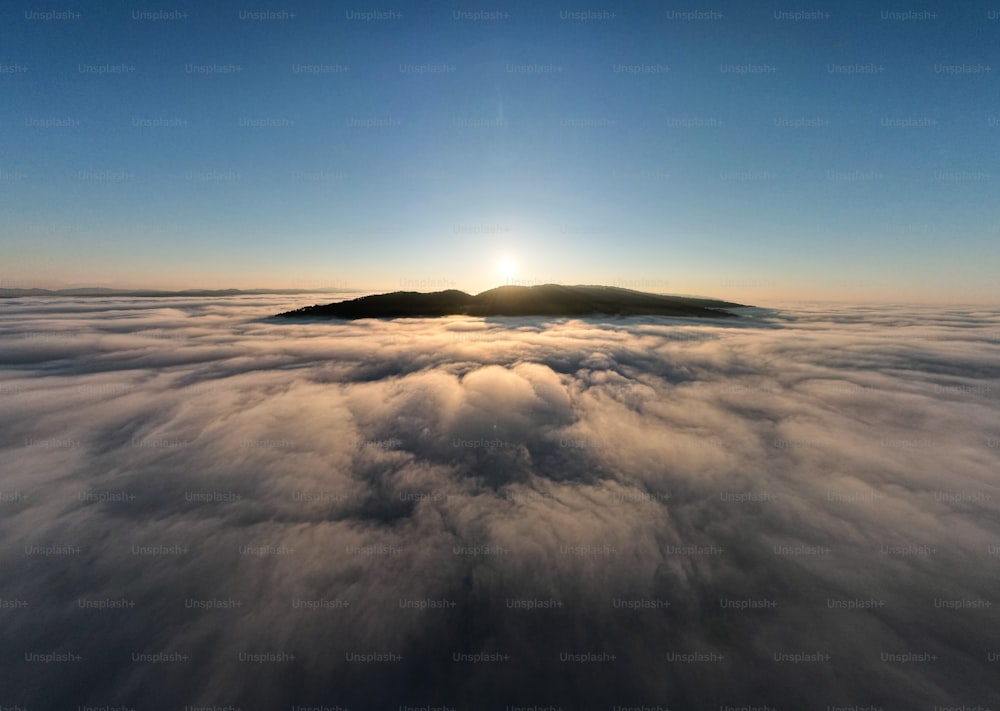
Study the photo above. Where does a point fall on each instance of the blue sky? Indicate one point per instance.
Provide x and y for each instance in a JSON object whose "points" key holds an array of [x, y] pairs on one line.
{"points": [[756, 151]]}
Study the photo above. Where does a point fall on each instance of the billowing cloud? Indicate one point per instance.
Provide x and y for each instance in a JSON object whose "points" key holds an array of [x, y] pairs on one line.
{"points": [[203, 506]]}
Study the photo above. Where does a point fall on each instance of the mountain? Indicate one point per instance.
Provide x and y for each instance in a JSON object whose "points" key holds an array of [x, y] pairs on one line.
{"points": [[98, 291], [545, 300]]}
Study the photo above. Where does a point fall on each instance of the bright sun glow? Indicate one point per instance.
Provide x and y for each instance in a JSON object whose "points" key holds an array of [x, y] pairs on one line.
{"points": [[506, 267]]}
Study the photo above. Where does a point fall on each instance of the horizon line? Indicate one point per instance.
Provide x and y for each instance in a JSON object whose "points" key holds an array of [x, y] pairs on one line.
{"points": [[153, 292]]}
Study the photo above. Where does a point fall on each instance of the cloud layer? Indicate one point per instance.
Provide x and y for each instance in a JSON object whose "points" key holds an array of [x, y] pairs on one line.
{"points": [[201, 506]]}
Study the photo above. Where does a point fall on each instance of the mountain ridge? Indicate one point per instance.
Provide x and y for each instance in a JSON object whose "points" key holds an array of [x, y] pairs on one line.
{"points": [[100, 291], [512, 300]]}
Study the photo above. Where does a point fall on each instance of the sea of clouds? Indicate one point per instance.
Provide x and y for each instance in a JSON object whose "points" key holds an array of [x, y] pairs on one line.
{"points": [[202, 506]]}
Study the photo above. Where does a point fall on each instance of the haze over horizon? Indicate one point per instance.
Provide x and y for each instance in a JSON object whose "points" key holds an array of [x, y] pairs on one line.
{"points": [[754, 153]]}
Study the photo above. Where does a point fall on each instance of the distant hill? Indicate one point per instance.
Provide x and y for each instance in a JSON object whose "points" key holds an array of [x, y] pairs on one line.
{"points": [[544, 300], [97, 291]]}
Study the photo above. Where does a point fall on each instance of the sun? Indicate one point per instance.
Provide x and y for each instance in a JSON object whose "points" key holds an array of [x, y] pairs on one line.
{"points": [[506, 267]]}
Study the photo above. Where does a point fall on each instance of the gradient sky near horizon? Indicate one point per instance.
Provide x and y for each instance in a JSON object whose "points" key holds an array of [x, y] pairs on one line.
{"points": [[772, 150]]}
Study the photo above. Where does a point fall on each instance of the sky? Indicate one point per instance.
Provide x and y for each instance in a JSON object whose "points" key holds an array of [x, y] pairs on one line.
{"points": [[748, 151]]}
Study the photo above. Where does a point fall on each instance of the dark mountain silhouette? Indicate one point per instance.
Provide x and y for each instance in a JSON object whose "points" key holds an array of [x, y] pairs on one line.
{"points": [[545, 300]]}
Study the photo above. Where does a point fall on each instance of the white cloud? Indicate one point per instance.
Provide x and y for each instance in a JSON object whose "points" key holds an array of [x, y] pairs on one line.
{"points": [[811, 454]]}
